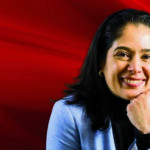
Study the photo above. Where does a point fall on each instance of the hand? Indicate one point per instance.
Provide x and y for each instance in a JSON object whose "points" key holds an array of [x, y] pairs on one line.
{"points": [[138, 112]]}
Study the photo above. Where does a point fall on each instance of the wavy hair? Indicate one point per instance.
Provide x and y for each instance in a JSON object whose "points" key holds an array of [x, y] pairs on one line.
{"points": [[90, 89]]}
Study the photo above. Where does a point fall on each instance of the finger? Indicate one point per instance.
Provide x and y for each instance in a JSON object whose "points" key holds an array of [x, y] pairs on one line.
{"points": [[130, 105]]}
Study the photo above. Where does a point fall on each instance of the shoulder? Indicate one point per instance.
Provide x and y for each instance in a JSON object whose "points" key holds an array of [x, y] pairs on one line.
{"points": [[64, 124], [72, 116], [72, 111]]}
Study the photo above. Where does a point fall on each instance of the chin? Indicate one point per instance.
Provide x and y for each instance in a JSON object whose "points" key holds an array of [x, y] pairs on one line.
{"points": [[130, 96]]}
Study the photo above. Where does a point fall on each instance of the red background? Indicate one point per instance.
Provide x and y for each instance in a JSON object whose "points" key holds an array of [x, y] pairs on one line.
{"points": [[42, 46]]}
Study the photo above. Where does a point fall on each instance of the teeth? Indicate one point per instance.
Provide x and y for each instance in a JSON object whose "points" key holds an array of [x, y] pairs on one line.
{"points": [[133, 81]]}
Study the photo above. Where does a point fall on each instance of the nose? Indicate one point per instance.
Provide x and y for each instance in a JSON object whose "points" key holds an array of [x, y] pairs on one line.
{"points": [[135, 65]]}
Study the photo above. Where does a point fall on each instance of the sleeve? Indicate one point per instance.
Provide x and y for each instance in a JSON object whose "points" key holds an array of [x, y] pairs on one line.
{"points": [[62, 133], [142, 140]]}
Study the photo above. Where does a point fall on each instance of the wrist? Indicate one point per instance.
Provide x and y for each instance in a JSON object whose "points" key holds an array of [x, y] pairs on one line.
{"points": [[144, 131]]}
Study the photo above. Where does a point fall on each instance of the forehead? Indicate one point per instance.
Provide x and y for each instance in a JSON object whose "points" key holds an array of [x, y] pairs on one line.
{"points": [[134, 36], [138, 28]]}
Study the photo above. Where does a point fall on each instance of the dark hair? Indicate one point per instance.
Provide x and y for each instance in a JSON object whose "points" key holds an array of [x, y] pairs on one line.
{"points": [[90, 89]]}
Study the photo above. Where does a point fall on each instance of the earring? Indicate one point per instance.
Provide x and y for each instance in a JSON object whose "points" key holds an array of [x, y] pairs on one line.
{"points": [[101, 73]]}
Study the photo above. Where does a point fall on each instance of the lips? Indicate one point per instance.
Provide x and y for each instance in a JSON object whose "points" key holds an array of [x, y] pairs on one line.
{"points": [[133, 82]]}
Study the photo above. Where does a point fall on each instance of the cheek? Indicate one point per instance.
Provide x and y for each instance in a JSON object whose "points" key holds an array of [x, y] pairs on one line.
{"points": [[117, 68], [111, 72], [146, 70], [110, 69], [120, 67]]}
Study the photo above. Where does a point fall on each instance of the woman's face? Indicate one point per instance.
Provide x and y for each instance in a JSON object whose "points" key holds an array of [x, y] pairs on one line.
{"points": [[127, 67]]}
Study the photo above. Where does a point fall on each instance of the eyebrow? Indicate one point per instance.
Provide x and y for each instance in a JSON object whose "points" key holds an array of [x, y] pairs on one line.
{"points": [[130, 50], [122, 47]]}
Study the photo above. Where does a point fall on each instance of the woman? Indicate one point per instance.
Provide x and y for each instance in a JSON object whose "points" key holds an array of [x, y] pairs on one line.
{"points": [[108, 108]]}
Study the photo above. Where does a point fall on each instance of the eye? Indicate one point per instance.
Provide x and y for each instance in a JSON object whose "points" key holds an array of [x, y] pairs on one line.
{"points": [[146, 56], [122, 55]]}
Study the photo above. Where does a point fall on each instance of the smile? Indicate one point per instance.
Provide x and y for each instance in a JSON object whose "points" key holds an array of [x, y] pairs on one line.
{"points": [[133, 83]]}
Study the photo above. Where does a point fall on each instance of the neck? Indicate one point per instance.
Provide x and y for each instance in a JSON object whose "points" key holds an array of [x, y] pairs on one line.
{"points": [[117, 106]]}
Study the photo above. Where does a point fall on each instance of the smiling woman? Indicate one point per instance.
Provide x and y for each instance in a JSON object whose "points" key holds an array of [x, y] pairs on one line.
{"points": [[108, 108], [130, 62]]}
